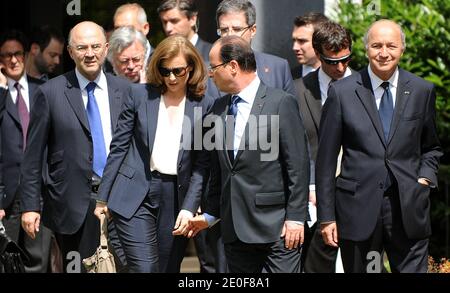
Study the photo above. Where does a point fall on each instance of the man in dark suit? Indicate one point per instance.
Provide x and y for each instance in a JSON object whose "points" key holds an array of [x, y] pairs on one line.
{"points": [[384, 118], [261, 213], [17, 90], [181, 17], [304, 27], [74, 117], [238, 17], [332, 45]]}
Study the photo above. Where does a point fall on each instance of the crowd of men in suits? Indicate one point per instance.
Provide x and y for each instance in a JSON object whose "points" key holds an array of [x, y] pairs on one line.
{"points": [[357, 151]]}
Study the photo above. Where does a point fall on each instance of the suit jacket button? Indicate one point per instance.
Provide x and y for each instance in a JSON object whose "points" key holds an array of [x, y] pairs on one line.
{"points": [[180, 187], [381, 185], [90, 158], [179, 166]]}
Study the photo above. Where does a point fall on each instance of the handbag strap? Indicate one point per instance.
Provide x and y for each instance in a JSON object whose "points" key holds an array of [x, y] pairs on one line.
{"points": [[103, 231]]}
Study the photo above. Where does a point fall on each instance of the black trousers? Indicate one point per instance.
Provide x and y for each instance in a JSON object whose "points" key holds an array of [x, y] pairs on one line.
{"points": [[262, 258], [146, 237], [318, 257], [405, 255]]}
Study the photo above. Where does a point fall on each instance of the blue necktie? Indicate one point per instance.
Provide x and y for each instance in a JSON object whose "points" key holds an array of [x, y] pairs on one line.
{"points": [[386, 109], [95, 124], [232, 110]]}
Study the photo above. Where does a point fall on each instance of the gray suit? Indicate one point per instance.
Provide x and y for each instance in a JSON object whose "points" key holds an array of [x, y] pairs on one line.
{"points": [[253, 205]]}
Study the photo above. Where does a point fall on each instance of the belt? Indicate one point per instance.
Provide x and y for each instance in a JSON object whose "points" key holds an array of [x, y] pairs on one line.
{"points": [[163, 176]]}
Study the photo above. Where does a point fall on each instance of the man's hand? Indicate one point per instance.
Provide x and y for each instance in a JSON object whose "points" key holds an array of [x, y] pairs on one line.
{"points": [[101, 208], [30, 223], [182, 223], [3, 79], [424, 181], [329, 234], [312, 197], [2, 214], [293, 234], [196, 224]]}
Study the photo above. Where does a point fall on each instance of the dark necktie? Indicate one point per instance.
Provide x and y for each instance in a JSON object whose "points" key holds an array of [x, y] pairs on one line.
{"points": [[232, 110], [386, 109], [24, 115], [95, 125]]}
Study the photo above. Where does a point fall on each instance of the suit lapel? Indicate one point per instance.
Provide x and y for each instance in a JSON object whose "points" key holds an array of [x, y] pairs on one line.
{"points": [[115, 102], [314, 101], [365, 94], [152, 120], [258, 104], [73, 95], [403, 92], [188, 114], [223, 117], [11, 108]]}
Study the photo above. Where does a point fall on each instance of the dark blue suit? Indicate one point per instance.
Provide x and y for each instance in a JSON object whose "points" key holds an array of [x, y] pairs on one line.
{"points": [[274, 72], [127, 179], [59, 123], [11, 138]]}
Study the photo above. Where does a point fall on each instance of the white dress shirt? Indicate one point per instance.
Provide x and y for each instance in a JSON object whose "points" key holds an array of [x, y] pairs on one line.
{"points": [[324, 83], [244, 108], [23, 82], [166, 146], [378, 90], [102, 98], [194, 39]]}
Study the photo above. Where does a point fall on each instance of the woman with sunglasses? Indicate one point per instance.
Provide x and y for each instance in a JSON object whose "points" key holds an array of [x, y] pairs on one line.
{"points": [[153, 179]]}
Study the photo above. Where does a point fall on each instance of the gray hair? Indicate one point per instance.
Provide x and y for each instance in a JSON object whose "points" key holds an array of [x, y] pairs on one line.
{"points": [[366, 35], [122, 38], [141, 15], [233, 6]]}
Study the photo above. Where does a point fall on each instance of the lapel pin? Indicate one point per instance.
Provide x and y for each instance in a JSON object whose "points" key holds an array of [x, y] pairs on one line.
{"points": [[266, 69], [406, 92]]}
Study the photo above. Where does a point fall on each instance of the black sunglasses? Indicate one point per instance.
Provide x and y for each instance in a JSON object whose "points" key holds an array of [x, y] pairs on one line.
{"points": [[177, 71], [334, 61]]}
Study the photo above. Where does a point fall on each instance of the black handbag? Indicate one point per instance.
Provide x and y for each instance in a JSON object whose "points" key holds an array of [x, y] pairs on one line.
{"points": [[11, 256]]}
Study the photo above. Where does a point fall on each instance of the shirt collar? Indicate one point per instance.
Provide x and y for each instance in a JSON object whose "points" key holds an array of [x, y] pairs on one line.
{"points": [[194, 39], [307, 69], [100, 80], [323, 77], [22, 81], [248, 94], [376, 81]]}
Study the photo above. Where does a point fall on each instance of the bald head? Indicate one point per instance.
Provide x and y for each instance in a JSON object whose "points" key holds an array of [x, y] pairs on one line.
{"points": [[132, 14], [385, 24], [385, 43], [88, 48], [84, 29]]}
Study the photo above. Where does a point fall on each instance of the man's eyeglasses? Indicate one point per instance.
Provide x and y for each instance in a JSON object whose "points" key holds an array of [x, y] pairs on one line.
{"points": [[177, 71], [211, 69], [83, 49], [335, 61], [224, 31], [8, 56], [126, 61]]}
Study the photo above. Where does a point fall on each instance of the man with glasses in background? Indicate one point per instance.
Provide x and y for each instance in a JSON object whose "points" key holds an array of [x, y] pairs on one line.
{"points": [[17, 99], [238, 17], [333, 47], [74, 118], [127, 50]]}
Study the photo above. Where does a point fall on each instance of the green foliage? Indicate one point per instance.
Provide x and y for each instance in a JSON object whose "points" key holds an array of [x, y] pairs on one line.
{"points": [[427, 31]]}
